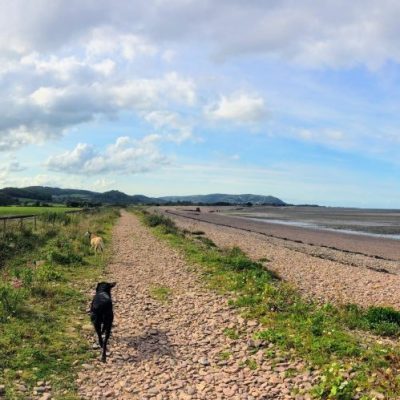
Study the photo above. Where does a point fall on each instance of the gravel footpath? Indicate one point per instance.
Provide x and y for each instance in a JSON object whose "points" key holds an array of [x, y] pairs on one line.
{"points": [[177, 349], [320, 273]]}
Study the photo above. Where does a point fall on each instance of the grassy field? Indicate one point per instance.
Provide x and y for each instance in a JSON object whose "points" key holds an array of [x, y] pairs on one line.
{"points": [[354, 349], [16, 210], [45, 278]]}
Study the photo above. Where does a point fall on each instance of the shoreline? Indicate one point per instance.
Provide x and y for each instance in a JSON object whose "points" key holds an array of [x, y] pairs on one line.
{"points": [[321, 273], [374, 247]]}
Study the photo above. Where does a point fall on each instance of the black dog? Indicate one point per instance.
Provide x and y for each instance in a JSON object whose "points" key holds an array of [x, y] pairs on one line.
{"points": [[101, 314]]}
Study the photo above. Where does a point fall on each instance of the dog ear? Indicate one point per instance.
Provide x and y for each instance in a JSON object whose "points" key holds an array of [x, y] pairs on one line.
{"points": [[97, 287], [112, 284]]}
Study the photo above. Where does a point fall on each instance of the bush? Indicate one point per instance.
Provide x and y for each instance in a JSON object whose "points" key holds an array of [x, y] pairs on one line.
{"points": [[167, 224], [58, 257], [384, 321], [376, 315]]}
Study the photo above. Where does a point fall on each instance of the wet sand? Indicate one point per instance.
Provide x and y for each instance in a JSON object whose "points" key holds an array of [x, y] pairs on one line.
{"points": [[322, 273], [377, 247]]}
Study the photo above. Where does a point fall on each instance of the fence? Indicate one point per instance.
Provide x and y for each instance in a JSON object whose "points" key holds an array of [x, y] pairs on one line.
{"points": [[20, 222]]}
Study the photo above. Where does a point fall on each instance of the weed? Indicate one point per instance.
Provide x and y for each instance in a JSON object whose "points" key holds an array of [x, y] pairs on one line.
{"points": [[160, 293], [251, 363], [225, 355], [11, 300], [335, 384], [231, 333]]}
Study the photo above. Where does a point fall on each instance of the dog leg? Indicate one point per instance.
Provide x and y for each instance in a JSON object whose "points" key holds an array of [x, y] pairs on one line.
{"points": [[107, 336], [97, 327]]}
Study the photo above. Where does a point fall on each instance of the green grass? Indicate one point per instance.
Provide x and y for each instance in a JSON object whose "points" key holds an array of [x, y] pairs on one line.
{"points": [[225, 355], [17, 210], [43, 317], [160, 293], [232, 333], [328, 337]]}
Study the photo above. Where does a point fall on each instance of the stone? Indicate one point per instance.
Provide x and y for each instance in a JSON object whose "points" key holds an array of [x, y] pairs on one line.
{"points": [[203, 361]]}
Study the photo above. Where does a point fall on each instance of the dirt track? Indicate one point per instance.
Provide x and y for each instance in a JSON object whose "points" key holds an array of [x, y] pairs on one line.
{"points": [[178, 349]]}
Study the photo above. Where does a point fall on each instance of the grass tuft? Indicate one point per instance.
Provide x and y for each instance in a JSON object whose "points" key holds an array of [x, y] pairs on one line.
{"points": [[160, 293]]}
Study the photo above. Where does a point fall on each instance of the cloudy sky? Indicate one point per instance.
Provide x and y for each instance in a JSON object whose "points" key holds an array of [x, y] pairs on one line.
{"points": [[298, 99]]}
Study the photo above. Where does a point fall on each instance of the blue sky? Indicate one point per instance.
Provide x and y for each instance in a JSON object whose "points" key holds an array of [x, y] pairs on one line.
{"points": [[293, 99]]}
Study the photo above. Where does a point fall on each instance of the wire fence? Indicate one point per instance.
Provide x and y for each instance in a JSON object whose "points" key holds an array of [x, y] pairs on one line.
{"points": [[33, 222]]}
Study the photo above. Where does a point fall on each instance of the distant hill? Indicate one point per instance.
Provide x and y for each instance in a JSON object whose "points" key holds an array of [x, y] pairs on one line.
{"points": [[71, 196], [227, 198], [45, 194]]}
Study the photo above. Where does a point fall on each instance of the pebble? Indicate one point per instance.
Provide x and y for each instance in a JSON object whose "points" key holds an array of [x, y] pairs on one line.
{"points": [[172, 349]]}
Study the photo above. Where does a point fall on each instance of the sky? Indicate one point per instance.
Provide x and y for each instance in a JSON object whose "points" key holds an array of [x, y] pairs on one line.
{"points": [[292, 98]]}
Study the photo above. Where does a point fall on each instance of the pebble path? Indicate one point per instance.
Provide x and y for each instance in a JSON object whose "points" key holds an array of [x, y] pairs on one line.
{"points": [[178, 348]]}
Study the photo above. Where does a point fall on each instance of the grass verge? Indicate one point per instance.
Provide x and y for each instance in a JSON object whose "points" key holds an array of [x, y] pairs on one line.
{"points": [[43, 317], [353, 364]]}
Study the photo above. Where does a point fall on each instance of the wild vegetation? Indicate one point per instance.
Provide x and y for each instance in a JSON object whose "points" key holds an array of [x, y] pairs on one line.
{"points": [[353, 347], [45, 275], [20, 210]]}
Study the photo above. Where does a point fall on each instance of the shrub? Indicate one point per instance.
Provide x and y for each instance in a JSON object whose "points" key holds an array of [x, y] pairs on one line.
{"points": [[167, 224], [58, 257], [384, 321]]}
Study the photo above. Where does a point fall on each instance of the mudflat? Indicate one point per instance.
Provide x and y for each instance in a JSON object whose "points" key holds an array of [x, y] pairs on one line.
{"points": [[322, 273], [368, 222]]}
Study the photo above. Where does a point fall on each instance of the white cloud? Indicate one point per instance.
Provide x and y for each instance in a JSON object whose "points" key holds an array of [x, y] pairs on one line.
{"points": [[148, 93], [330, 33], [66, 64], [171, 125], [110, 42], [334, 138], [38, 112], [106, 67], [239, 107], [125, 156]]}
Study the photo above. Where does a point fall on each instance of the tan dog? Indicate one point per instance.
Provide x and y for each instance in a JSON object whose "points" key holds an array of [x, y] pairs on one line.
{"points": [[96, 242]]}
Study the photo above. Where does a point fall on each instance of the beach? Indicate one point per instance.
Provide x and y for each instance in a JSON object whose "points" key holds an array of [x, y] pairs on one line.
{"points": [[325, 266]]}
